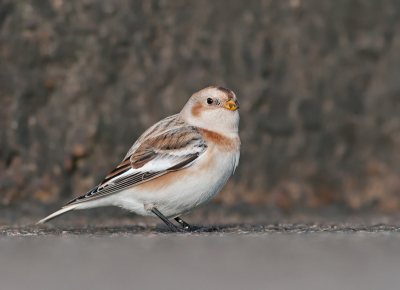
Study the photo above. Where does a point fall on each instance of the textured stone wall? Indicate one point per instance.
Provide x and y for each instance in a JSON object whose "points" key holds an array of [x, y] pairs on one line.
{"points": [[318, 82]]}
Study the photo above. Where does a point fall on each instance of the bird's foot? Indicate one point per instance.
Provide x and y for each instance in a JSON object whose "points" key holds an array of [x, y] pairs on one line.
{"points": [[190, 228], [196, 229], [186, 227]]}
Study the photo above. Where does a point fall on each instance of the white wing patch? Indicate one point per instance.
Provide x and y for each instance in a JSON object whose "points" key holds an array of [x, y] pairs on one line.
{"points": [[173, 150]]}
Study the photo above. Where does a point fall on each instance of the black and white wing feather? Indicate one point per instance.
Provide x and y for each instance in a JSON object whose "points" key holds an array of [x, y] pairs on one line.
{"points": [[157, 154]]}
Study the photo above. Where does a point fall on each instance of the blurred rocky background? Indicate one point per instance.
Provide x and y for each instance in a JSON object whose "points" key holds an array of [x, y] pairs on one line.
{"points": [[318, 82]]}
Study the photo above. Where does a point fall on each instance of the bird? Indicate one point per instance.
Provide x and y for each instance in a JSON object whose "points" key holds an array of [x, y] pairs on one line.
{"points": [[176, 165]]}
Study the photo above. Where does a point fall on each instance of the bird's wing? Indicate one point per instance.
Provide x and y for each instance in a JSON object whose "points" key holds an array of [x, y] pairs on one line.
{"points": [[169, 123], [154, 156]]}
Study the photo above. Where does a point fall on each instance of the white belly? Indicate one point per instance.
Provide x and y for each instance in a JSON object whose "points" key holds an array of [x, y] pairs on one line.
{"points": [[185, 190]]}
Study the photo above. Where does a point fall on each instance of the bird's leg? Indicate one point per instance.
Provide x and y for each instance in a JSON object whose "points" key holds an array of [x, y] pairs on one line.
{"points": [[165, 220], [186, 226]]}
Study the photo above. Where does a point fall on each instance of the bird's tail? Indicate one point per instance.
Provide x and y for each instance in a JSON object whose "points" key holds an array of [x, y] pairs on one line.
{"points": [[57, 213]]}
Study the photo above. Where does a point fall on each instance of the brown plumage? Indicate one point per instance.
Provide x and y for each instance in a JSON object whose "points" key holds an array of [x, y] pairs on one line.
{"points": [[222, 142], [196, 109]]}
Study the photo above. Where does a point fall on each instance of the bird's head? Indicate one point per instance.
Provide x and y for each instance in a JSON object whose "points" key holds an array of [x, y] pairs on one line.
{"points": [[213, 108]]}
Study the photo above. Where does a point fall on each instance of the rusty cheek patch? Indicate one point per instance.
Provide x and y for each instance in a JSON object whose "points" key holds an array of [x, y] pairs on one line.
{"points": [[196, 109], [222, 143]]}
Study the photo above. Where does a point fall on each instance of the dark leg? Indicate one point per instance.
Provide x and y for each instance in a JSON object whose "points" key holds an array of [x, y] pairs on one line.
{"points": [[165, 220], [186, 226]]}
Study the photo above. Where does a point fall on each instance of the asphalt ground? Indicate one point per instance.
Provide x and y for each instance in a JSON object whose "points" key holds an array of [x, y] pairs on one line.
{"points": [[252, 248], [260, 256]]}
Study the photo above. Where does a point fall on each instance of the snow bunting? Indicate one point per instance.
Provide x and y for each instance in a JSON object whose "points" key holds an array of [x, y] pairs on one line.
{"points": [[179, 163]]}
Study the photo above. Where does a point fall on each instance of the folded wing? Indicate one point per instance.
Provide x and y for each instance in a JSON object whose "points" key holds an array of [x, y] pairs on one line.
{"points": [[156, 155]]}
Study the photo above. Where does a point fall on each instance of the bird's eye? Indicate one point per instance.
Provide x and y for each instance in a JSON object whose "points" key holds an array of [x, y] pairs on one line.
{"points": [[209, 101]]}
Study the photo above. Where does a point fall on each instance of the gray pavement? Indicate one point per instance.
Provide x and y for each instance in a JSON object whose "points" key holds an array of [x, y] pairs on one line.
{"points": [[236, 257]]}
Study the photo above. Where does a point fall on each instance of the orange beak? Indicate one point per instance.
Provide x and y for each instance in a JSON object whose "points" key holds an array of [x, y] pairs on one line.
{"points": [[231, 105]]}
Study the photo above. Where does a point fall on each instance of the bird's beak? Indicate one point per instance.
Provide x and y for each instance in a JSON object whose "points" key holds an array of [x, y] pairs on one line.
{"points": [[231, 105]]}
